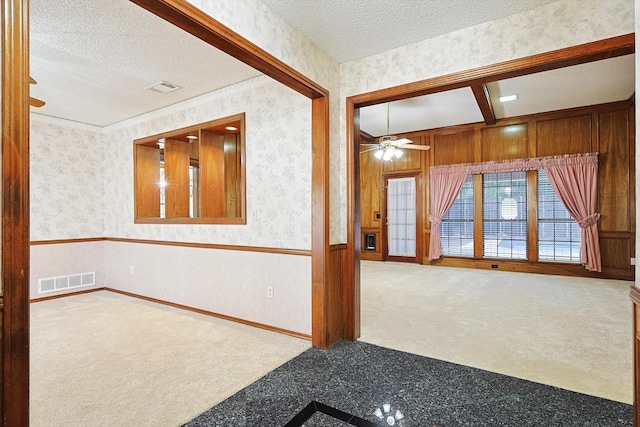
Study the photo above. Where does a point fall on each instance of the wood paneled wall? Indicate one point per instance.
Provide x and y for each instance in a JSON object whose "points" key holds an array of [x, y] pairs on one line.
{"points": [[213, 199], [232, 170], [147, 176], [607, 129], [176, 172], [371, 195]]}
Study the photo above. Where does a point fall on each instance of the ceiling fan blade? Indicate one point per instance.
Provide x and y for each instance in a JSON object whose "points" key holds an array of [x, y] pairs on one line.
{"points": [[32, 81], [417, 147], [402, 141], [369, 145], [370, 149], [36, 102]]}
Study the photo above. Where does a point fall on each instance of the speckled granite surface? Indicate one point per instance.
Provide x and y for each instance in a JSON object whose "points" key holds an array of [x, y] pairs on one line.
{"points": [[358, 378]]}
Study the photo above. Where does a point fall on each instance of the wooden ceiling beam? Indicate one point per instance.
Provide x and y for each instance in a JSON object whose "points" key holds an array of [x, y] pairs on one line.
{"points": [[481, 93], [573, 55]]}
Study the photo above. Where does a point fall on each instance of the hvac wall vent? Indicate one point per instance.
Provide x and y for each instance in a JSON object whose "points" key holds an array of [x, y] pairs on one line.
{"points": [[163, 87], [52, 284]]}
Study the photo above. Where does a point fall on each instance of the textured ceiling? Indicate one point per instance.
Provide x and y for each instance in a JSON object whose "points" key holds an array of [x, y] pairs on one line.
{"points": [[94, 59], [352, 29]]}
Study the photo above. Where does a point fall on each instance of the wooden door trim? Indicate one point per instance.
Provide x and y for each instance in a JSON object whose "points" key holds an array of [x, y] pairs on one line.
{"points": [[579, 54], [15, 212]]}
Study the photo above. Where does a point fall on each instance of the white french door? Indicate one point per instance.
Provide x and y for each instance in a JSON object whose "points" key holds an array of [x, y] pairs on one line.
{"points": [[401, 217]]}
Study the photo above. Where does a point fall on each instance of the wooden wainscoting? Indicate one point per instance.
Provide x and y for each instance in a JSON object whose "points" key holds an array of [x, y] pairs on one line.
{"points": [[635, 298], [340, 296]]}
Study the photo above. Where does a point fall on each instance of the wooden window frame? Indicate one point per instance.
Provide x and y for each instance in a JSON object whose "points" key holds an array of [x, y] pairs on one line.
{"points": [[212, 178]]}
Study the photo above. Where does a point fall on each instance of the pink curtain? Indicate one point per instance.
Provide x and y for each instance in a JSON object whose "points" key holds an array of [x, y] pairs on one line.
{"points": [[446, 182], [574, 178]]}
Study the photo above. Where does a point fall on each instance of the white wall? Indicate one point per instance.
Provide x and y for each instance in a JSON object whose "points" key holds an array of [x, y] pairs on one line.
{"points": [[66, 200], [65, 259], [82, 187], [233, 283]]}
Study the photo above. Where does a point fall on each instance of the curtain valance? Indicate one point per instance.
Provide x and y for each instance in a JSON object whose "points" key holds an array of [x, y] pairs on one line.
{"points": [[531, 164], [574, 178]]}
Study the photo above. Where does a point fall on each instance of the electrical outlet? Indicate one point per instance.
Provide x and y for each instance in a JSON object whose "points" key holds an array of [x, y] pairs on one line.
{"points": [[270, 292]]}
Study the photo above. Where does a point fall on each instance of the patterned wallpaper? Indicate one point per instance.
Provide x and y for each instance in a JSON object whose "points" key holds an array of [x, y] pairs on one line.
{"points": [[254, 21], [66, 180], [278, 162]]}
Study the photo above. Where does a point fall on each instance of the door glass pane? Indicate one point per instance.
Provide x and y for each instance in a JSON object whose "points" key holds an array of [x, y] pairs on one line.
{"points": [[401, 217]]}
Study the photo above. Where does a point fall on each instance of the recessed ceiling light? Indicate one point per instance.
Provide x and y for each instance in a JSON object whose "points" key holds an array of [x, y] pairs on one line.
{"points": [[508, 98], [231, 128], [192, 137]]}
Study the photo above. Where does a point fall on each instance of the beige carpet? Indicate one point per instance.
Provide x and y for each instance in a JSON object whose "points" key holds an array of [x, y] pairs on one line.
{"points": [[103, 359], [574, 333]]}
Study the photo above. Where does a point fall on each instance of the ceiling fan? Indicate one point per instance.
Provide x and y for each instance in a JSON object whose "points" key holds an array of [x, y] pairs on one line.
{"points": [[35, 102], [390, 147]]}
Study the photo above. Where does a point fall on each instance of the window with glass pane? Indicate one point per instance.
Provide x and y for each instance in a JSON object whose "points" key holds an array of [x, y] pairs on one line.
{"points": [[558, 233], [504, 215], [456, 228]]}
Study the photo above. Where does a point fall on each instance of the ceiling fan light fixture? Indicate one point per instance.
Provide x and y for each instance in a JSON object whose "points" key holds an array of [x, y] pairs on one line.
{"points": [[397, 153], [392, 139], [379, 153], [388, 154]]}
